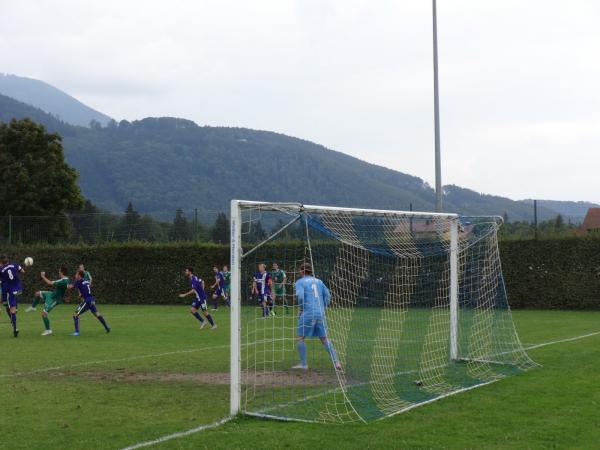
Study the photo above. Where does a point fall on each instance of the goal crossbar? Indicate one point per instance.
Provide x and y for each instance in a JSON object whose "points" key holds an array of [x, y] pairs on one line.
{"points": [[300, 207]]}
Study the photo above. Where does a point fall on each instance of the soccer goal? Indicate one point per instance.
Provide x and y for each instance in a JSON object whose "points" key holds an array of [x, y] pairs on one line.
{"points": [[417, 311]]}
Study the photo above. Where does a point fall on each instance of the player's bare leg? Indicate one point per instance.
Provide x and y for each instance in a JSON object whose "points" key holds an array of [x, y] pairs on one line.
{"points": [[36, 299]]}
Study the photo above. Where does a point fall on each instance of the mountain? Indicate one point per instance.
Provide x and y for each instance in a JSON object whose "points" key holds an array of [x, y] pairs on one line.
{"points": [[50, 99], [574, 211], [161, 164], [468, 200]]}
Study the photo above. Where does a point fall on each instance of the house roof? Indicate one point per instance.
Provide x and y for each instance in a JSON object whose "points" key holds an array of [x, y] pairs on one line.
{"points": [[592, 220]]}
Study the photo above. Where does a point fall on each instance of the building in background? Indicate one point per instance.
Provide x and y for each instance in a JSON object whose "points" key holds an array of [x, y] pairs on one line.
{"points": [[591, 223]]}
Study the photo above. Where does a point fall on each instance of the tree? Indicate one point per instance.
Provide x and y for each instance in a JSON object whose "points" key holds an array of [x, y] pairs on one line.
{"points": [[505, 217], [220, 230], [257, 232], [559, 223], [181, 229], [86, 222], [95, 125], [35, 180], [130, 223]]}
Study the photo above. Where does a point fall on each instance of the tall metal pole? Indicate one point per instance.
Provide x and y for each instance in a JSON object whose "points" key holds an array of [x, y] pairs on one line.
{"points": [[436, 105], [535, 220]]}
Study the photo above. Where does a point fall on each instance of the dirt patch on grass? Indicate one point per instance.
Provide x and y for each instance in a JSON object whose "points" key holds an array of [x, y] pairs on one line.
{"points": [[291, 377]]}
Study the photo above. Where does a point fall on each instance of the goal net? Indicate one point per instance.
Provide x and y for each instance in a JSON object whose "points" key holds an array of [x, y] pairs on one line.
{"points": [[416, 310]]}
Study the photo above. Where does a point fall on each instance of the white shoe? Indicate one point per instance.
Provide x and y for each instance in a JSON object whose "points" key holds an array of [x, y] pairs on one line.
{"points": [[31, 308], [214, 327], [300, 367], [47, 333], [203, 324]]}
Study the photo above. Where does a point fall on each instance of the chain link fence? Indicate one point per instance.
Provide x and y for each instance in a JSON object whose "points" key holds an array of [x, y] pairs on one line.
{"points": [[94, 228]]}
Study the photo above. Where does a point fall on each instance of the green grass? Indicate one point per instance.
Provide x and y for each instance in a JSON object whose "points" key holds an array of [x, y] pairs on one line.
{"points": [[110, 391]]}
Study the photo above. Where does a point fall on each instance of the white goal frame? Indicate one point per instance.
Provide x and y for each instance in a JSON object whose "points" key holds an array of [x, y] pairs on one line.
{"points": [[236, 264]]}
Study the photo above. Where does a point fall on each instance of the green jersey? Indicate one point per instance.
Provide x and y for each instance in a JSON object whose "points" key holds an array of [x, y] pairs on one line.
{"points": [[60, 289], [87, 276], [278, 276], [227, 278]]}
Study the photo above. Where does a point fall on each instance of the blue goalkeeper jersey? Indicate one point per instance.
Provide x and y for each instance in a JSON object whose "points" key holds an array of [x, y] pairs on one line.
{"points": [[313, 296]]}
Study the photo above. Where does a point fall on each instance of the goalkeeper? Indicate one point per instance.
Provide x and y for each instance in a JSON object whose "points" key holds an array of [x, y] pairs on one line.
{"points": [[313, 297]]}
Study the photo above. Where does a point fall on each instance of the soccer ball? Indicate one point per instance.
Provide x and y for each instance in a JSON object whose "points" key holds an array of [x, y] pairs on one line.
{"points": [[28, 261]]}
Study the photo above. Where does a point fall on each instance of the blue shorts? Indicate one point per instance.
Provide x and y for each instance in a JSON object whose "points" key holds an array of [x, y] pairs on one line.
{"points": [[87, 304], [309, 327], [9, 298], [199, 304], [219, 292], [264, 298]]}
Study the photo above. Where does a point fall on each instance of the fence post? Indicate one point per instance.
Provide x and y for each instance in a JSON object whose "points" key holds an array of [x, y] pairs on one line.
{"points": [[9, 229], [195, 224], [535, 220], [99, 227]]}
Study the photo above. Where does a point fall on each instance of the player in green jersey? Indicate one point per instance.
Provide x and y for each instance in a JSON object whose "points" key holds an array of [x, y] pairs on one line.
{"points": [[87, 274], [51, 298], [279, 278]]}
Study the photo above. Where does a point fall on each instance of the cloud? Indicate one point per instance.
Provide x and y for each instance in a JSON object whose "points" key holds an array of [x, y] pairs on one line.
{"points": [[519, 90]]}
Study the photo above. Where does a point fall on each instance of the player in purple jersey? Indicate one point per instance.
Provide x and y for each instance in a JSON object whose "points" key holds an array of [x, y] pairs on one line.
{"points": [[261, 287], [218, 288], [11, 289], [88, 301], [199, 302]]}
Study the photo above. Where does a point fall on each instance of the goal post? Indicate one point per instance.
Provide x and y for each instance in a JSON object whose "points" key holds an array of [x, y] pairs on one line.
{"points": [[416, 310], [235, 308], [454, 289]]}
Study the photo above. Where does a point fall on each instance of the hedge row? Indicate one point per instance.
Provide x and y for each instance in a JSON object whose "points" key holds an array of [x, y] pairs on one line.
{"points": [[553, 273], [547, 274], [127, 273]]}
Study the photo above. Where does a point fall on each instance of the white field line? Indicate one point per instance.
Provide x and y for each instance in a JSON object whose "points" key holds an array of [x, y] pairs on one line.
{"points": [[127, 358], [104, 361], [178, 435], [227, 419], [560, 341]]}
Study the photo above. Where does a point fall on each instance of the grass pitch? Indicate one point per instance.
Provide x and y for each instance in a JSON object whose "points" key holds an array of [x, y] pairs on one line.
{"points": [[153, 376]]}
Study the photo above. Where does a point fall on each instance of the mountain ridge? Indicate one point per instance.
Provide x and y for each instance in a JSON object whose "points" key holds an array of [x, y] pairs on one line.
{"points": [[51, 100], [135, 161]]}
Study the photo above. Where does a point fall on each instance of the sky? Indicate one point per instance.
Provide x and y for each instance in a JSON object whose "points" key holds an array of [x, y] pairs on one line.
{"points": [[519, 80]]}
